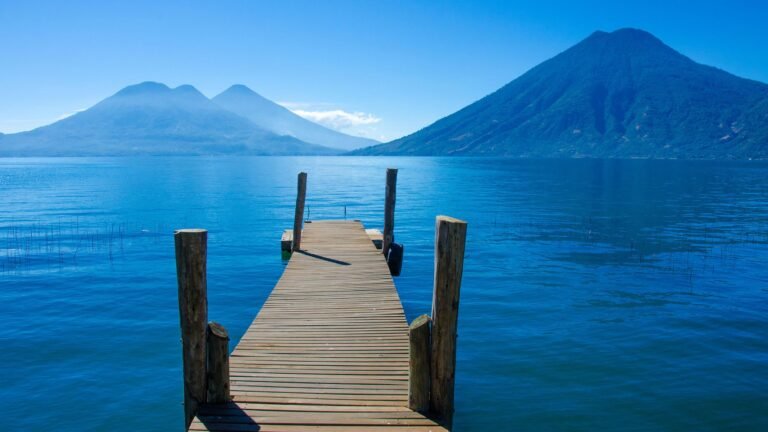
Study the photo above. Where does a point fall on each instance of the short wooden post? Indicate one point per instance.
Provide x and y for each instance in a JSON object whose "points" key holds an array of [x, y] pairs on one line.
{"points": [[450, 236], [389, 210], [218, 363], [418, 371], [191, 250], [298, 218]]}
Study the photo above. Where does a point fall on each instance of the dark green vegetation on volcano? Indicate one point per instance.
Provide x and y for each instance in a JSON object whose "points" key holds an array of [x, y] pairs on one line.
{"points": [[621, 94]]}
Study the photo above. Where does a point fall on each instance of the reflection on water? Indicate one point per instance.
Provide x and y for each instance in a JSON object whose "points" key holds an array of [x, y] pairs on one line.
{"points": [[619, 295]]}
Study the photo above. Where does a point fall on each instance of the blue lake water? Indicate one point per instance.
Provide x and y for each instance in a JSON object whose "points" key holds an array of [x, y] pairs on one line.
{"points": [[597, 295]]}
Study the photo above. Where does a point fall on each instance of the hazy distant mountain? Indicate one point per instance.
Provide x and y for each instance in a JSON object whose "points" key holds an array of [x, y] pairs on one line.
{"points": [[277, 119], [619, 94], [150, 118]]}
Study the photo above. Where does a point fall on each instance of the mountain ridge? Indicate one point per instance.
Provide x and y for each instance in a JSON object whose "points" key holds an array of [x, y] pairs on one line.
{"points": [[621, 94], [266, 114], [150, 118]]}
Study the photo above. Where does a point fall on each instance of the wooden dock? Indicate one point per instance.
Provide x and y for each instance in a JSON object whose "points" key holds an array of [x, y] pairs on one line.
{"points": [[329, 351]]}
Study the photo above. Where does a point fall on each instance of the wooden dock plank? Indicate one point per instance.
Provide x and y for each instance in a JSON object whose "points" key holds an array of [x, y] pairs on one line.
{"points": [[329, 349]]}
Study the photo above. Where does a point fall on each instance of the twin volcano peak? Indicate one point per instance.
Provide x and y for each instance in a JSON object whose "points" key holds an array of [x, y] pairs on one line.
{"points": [[152, 88], [151, 118], [622, 94]]}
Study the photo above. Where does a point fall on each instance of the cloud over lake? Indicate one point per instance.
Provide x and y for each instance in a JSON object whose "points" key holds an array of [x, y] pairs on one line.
{"points": [[357, 123]]}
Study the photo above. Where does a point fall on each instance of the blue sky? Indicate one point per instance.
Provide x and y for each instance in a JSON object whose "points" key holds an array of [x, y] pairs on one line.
{"points": [[381, 69]]}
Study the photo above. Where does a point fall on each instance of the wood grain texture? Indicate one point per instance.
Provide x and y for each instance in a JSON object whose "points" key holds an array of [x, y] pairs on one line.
{"points": [[218, 364], [390, 194], [298, 217], [286, 243], [450, 237], [191, 251], [329, 349], [418, 371]]}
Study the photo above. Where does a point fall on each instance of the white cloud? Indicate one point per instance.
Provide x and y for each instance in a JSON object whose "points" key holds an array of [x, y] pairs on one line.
{"points": [[338, 119], [357, 123]]}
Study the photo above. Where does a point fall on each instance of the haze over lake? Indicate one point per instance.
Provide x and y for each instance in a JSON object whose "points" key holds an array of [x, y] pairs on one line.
{"points": [[597, 294]]}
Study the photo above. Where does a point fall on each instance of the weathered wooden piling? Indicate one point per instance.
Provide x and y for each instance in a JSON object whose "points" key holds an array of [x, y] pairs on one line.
{"points": [[298, 218], [191, 250], [418, 370], [324, 371], [218, 363], [450, 238], [286, 244], [389, 209]]}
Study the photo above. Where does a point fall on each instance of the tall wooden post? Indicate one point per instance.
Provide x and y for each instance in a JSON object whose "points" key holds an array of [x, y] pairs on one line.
{"points": [[191, 250], [298, 218], [450, 237], [218, 363], [418, 367], [389, 210]]}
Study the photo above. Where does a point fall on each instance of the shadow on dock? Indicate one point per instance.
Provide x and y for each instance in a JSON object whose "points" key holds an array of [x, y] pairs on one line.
{"points": [[323, 258], [330, 350], [225, 416]]}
